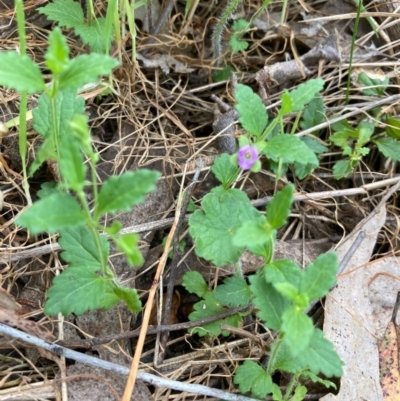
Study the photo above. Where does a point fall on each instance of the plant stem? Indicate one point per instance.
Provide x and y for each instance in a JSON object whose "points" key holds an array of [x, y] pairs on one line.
{"points": [[112, 7], [217, 34], [353, 43], [130, 13], [270, 127], [274, 352], [284, 8], [296, 123], [22, 137]]}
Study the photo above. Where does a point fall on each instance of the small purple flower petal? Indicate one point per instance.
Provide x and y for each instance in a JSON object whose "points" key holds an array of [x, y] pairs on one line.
{"points": [[247, 156]]}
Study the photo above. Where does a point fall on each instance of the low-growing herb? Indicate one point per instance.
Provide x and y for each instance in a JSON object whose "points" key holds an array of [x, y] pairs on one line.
{"points": [[357, 142], [88, 282], [69, 14], [280, 291]]}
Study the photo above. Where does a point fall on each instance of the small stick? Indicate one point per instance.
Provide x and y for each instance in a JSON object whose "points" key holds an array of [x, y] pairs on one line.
{"points": [[173, 265], [91, 342], [97, 362], [130, 385], [8, 256]]}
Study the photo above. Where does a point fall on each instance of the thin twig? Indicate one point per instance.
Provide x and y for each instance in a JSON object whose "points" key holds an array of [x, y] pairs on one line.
{"points": [[7, 257], [353, 113], [147, 312], [92, 342], [349, 254], [147, 377], [173, 265]]}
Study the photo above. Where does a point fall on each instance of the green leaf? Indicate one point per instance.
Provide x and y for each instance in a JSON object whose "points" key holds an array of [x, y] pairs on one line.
{"points": [[291, 149], [253, 115], [224, 74], [365, 130], [316, 379], [305, 93], [57, 52], [288, 290], [320, 356], [320, 276], [234, 292], [80, 250], [67, 13], [128, 244], [78, 290], [46, 151], [130, 296], [314, 145], [276, 393], [72, 167], [393, 127], [254, 233], [194, 283], [287, 104], [94, 35], [235, 41], [51, 214], [283, 358], [80, 131], [224, 170], [298, 329], [389, 148], [278, 209], [281, 271], [235, 320], [302, 170], [210, 307], [19, 72], [86, 68], [79, 247], [269, 302], [47, 188], [251, 376], [114, 229], [213, 228], [120, 193], [342, 169], [342, 125], [314, 114], [377, 84], [49, 121], [299, 393], [256, 167]]}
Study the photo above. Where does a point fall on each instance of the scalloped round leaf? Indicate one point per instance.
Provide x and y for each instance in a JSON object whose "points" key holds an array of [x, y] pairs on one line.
{"points": [[213, 227]]}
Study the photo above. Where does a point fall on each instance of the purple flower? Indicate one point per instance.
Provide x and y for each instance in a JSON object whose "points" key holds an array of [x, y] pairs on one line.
{"points": [[247, 156]]}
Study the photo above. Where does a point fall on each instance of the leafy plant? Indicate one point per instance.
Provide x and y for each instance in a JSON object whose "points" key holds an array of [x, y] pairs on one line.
{"points": [[88, 282], [239, 27], [227, 224], [280, 149], [280, 291], [69, 14], [357, 142], [236, 42]]}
